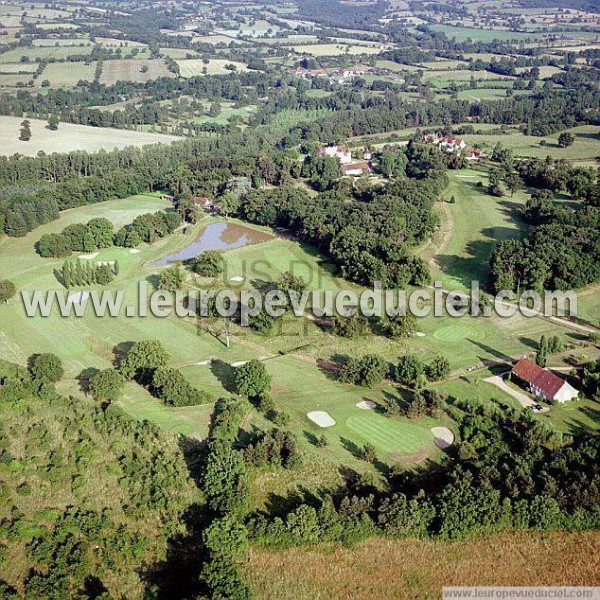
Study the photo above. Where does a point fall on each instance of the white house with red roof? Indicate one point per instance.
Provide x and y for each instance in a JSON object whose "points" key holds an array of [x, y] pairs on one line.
{"points": [[543, 383], [340, 152]]}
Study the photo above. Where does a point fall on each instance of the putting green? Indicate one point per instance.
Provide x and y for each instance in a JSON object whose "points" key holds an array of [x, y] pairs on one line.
{"points": [[387, 435], [456, 333]]}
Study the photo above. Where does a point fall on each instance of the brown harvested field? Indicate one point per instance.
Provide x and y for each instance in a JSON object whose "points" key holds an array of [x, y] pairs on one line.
{"points": [[130, 69], [70, 137], [384, 568]]}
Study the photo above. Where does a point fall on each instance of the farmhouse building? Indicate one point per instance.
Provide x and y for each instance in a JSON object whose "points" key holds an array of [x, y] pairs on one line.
{"points": [[358, 168], [340, 152], [450, 144], [544, 383]]}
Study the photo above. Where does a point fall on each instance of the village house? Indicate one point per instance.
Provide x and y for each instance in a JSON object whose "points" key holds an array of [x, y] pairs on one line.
{"points": [[340, 152], [450, 144], [474, 154], [204, 202], [543, 383], [447, 143], [358, 168], [305, 73]]}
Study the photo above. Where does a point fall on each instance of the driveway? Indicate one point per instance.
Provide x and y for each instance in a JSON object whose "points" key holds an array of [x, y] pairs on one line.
{"points": [[523, 399]]}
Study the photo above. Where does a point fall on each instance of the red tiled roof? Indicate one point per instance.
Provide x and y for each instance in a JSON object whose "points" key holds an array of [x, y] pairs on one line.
{"points": [[527, 370], [365, 166], [549, 383], [542, 379]]}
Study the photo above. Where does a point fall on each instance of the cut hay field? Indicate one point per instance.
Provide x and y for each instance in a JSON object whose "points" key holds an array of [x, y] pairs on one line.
{"points": [[70, 137], [44, 52], [66, 74], [333, 49], [195, 67], [130, 69], [410, 569]]}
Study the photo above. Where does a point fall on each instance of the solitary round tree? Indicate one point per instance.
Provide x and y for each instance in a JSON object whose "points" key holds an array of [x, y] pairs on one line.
{"points": [[47, 367], [107, 385], [252, 379], [25, 133], [7, 290]]}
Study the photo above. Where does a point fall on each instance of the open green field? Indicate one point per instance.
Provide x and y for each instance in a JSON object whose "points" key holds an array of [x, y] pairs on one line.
{"points": [[131, 69], [488, 94], [333, 49], [195, 66], [445, 78], [478, 222], [462, 34], [44, 52], [67, 74], [585, 148]]}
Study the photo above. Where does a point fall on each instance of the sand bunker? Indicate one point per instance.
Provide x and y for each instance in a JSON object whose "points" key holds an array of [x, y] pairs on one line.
{"points": [[239, 363], [366, 405], [443, 437], [203, 363], [134, 251], [105, 263], [321, 418], [78, 297], [88, 256], [418, 334], [237, 278]]}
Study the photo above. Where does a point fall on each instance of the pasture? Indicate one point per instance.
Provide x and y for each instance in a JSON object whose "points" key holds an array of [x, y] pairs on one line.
{"points": [[131, 69], [215, 66], [332, 49], [66, 74], [70, 137], [462, 34], [584, 149], [44, 52]]}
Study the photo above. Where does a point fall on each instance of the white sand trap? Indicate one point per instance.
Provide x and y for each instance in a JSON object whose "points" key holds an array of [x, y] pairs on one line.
{"points": [[418, 334], [88, 256], [239, 363], [444, 438], [203, 363], [237, 278], [78, 297], [321, 418], [134, 251], [366, 405], [105, 263]]}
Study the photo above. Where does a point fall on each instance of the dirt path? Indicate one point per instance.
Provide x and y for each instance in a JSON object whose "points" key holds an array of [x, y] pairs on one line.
{"points": [[573, 325]]}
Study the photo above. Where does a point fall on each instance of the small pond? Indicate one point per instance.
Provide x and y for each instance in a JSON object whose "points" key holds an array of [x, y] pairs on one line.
{"points": [[216, 236]]}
